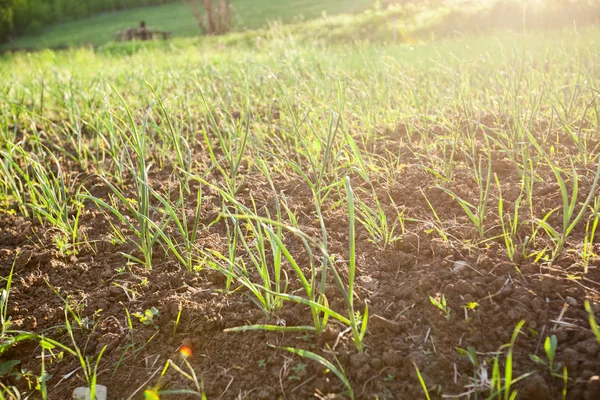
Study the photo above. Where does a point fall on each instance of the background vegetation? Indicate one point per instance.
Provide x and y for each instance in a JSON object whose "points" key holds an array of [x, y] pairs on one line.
{"points": [[104, 17], [28, 24], [30, 16]]}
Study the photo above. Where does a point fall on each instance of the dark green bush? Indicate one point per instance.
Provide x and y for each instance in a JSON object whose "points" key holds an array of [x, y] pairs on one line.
{"points": [[18, 17]]}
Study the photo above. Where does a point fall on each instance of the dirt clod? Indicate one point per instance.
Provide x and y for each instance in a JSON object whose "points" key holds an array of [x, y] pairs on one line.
{"points": [[535, 388], [592, 391]]}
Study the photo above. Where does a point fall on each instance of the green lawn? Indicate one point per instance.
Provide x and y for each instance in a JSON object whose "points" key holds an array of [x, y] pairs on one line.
{"points": [[176, 17]]}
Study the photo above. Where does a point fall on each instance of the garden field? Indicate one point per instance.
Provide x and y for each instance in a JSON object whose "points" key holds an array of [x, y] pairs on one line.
{"points": [[277, 218]]}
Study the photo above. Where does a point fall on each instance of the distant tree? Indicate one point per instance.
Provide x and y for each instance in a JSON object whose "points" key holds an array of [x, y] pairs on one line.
{"points": [[213, 16], [7, 22], [18, 17]]}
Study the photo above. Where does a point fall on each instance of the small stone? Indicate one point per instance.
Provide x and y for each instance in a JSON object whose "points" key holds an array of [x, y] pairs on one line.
{"points": [[265, 393], [368, 283], [332, 396], [571, 301], [83, 393], [331, 333]]}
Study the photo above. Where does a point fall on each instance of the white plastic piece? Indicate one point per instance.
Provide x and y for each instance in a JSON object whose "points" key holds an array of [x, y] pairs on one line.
{"points": [[83, 393]]}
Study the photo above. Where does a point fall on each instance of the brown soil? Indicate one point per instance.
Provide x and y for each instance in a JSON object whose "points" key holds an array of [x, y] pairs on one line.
{"points": [[397, 281]]}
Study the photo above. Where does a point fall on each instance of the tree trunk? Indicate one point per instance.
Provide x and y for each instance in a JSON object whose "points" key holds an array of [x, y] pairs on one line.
{"points": [[218, 15], [198, 15], [208, 7], [228, 15]]}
